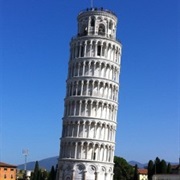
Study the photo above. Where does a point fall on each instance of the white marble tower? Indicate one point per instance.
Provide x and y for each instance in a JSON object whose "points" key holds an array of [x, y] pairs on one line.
{"points": [[91, 103]]}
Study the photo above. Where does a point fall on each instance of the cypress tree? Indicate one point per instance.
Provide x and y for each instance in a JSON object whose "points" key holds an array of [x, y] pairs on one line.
{"points": [[157, 166], [36, 173], [169, 168], [163, 167], [135, 173], [150, 169], [52, 174]]}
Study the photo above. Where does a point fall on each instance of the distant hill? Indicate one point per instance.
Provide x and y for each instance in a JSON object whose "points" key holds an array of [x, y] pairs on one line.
{"points": [[52, 161], [140, 165], [44, 163]]}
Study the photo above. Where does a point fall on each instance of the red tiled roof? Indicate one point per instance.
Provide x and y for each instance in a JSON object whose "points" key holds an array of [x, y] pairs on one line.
{"points": [[6, 165], [142, 171]]}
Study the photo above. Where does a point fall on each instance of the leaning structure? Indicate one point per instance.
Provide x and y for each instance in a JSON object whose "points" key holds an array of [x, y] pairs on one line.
{"points": [[91, 103]]}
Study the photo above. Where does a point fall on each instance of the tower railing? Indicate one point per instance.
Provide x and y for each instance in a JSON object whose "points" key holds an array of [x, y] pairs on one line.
{"points": [[97, 9]]}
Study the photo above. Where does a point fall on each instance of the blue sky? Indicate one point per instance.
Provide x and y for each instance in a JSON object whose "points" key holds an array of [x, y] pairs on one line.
{"points": [[34, 54]]}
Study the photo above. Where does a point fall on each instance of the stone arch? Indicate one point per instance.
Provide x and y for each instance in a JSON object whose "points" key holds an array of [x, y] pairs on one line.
{"points": [[101, 29], [85, 148], [88, 108], [96, 151], [98, 130], [100, 107], [85, 127], [103, 49], [84, 29], [90, 87], [75, 129], [92, 172], [78, 150], [79, 171], [101, 89], [86, 68], [90, 150], [77, 108], [102, 69], [109, 51], [102, 173], [103, 129], [84, 87], [111, 72], [81, 128], [110, 24], [91, 68], [92, 23], [101, 152], [91, 130], [99, 49], [93, 48], [95, 90], [106, 90], [88, 49], [73, 145], [81, 54], [67, 177]]}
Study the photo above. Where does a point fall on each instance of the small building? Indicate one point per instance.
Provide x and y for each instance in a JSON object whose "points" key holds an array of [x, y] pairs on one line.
{"points": [[142, 174], [7, 171], [175, 169], [166, 177], [22, 174]]}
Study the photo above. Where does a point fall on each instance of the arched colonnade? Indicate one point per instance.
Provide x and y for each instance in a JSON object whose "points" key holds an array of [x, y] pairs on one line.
{"points": [[96, 88], [87, 150], [89, 129], [91, 108], [95, 48], [94, 68]]}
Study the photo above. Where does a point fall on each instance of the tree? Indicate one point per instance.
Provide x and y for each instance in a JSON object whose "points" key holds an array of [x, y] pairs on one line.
{"points": [[135, 172], [150, 169], [163, 167], [169, 168], [52, 174], [44, 175], [122, 170], [157, 166], [36, 173]]}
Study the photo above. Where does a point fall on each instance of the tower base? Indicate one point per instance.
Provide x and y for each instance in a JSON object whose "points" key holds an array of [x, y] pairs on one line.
{"points": [[74, 170]]}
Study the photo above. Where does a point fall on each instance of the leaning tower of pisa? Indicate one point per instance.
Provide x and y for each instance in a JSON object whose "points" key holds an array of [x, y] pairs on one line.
{"points": [[91, 102]]}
